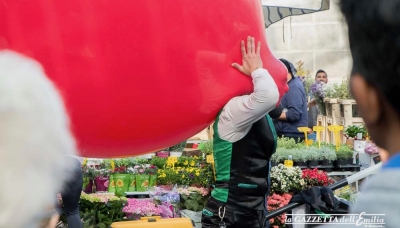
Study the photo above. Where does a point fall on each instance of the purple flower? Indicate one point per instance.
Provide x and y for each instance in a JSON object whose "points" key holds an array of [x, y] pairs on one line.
{"points": [[318, 89]]}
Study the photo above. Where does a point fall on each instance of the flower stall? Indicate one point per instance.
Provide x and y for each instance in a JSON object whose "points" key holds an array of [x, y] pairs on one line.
{"points": [[180, 186]]}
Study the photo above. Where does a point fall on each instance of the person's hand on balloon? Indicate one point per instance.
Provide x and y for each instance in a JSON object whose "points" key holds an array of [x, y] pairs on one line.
{"points": [[251, 58]]}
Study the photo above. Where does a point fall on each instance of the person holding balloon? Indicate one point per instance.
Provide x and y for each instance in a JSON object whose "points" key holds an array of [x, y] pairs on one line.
{"points": [[244, 140]]}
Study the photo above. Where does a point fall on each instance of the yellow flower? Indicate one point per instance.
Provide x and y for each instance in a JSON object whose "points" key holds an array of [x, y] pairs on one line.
{"points": [[197, 173], [185, 163], [176, 172], [183, 176], [191, 169], [187, 169], [192, 163]]}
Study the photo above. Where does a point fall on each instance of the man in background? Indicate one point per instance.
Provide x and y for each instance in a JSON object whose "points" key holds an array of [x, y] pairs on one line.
{"points": [[313, 109]]}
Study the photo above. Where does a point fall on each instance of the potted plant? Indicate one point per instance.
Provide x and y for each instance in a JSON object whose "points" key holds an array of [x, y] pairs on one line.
{"points": [[313, 157], [121, 176], [142, 178], [192, 202], [101, 179], [299, 157], [206, 147], [286, 179], [328, 155], [177, 149], [89, 174], [158, 162]]}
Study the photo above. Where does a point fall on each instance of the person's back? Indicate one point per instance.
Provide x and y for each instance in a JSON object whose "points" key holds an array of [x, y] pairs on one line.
{"points": [[374, 34]]}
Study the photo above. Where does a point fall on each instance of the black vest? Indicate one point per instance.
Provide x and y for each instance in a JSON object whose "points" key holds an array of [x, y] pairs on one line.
{"points": [[249, 165]]}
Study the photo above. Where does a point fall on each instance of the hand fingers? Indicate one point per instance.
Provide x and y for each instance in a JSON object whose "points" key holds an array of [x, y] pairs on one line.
{"points": [[238, 67], [243, 49], [253, 45], [249, 44], [258, 48]]}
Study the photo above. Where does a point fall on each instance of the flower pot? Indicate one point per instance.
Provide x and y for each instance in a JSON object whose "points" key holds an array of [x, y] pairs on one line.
{"points": [[89, 186], [142, 182], [101, 184], [163, 154], [132, 183], [325, 162], [121, 183], [312, 163], [300, 163], [111, 184], [350, 161], [175, 154], [152, 180], [359, 146], [341, 162], [350, 143]]}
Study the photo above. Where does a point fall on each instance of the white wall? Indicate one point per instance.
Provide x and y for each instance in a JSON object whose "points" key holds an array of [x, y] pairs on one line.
{"points": [[318, 39]]}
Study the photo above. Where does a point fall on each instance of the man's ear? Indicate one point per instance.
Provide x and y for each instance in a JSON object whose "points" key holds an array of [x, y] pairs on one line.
{"points": [[368, 99]]}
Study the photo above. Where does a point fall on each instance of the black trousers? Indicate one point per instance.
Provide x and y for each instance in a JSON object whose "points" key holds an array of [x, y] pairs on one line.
{"points": [[233, 217], [71, 195]]}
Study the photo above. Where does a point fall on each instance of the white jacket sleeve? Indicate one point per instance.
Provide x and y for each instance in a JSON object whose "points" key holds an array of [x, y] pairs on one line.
{"points": [[241, 112]]}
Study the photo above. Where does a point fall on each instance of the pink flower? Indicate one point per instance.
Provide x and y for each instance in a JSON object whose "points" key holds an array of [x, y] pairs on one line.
{"points": [[141, 170], [275, 226], [271, 220]]}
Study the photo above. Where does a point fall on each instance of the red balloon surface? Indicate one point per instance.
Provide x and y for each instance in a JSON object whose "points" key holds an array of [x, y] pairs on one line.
{"points": [[138, 75]]}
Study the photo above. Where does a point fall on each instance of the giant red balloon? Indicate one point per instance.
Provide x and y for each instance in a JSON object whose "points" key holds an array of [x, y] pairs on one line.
{"points": [[138, 75]]}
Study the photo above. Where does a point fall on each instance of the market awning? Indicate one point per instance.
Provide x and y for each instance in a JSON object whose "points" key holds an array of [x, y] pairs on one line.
{"points": [[276, 10]]}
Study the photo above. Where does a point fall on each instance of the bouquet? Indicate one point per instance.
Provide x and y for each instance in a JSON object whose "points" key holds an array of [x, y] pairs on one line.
{"points": [[318, 91], [193, 198], [275, 202], [315, 177], [286, 179]]}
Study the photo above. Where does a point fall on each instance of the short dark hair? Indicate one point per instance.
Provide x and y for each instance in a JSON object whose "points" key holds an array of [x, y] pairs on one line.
{"points": [[374, 36], [321, 71]]}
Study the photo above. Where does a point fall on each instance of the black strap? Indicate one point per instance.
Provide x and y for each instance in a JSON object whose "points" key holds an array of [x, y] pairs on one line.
{"points": [[222, 184]]}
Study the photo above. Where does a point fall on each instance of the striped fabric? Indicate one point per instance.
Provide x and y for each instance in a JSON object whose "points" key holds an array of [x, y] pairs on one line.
{"points": [[275, 11]]}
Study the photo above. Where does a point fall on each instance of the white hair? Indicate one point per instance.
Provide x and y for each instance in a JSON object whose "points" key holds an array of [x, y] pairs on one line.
{"points": [[34, 139]]}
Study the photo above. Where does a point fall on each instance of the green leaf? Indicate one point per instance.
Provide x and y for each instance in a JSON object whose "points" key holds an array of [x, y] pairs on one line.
{"points": [[101, 225]]}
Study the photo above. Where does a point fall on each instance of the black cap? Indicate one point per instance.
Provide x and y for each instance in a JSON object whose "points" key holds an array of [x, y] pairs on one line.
{"points": [[290, 67]]}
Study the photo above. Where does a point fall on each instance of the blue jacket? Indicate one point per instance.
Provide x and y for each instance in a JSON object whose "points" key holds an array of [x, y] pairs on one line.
{"points": [[295, 101]]}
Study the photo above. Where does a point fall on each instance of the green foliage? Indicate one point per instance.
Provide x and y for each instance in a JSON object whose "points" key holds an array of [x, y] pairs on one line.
{"points": [[206, 147], [340, 91], [305, 76], [288, 143], [313, 154], [328, 153], [98, 213], [158, 162], [344, 154], [298, 154], [195, 201], [353, 130]]}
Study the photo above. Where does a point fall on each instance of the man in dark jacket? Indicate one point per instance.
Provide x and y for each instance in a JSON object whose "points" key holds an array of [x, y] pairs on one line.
{"points": [[294, 107]]}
